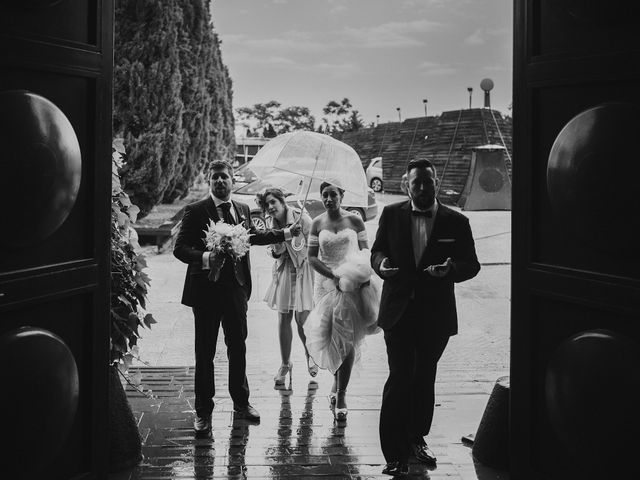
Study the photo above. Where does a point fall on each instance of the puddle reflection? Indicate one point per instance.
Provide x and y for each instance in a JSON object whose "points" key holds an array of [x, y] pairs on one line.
{"points": [[293, 449], [238, 440]]}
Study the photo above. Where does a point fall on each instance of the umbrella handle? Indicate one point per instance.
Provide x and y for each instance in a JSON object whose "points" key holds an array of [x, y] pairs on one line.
{"points": [[299, 247]]}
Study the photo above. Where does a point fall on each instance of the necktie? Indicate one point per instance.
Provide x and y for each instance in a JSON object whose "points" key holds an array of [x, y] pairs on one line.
{"points": [[420, 213], [226, 213]]}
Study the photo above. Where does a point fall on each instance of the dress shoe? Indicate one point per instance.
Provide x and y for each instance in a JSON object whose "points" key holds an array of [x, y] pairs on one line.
{"points": [[202, 424], [247, 412], [396, 469], [422, 451], [283, 371]]}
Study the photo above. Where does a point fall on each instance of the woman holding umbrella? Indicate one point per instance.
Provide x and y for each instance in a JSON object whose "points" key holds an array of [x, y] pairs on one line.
{"points": [[291, 290], [346, 303]]}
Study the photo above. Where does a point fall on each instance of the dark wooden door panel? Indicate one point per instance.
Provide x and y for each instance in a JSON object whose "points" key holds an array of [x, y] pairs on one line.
{"points": [[65, 21], [75, 97], [576, 265], [55, 184], [574, 27]]}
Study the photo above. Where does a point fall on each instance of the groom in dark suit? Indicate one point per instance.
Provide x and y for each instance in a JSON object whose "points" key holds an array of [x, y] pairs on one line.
{"points": [[223, 301], [421, 249]]}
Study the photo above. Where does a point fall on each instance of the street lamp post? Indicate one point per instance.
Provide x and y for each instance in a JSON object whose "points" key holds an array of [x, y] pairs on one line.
{"points": [[424, 102], [470, 90], [399, 115]]}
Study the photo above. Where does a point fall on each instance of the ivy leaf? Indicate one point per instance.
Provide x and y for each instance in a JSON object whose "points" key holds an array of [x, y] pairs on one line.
{"points": [[133, 321], [126, 301], [136, 378], [128, 360], [124, 200], [149, 320], [133, 211], [141, 296], [142, 261], [143, 279], [122, 219], [118, 145], [120, 344]]}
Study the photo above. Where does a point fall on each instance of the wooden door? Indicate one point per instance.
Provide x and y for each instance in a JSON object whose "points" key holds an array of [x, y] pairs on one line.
{"points": [[55, 184], [575, 366]]}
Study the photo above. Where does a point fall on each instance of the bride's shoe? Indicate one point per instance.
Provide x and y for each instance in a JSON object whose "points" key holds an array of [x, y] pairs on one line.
{"points": [[282, 373], [340, 413], [312, 367]]}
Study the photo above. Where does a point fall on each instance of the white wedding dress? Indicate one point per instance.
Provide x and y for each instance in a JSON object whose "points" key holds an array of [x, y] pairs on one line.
{"points": [[342, 318]]}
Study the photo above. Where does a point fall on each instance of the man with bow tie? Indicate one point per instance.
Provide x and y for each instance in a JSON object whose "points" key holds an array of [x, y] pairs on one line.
{"points": [[223, 301], [421, 249]]}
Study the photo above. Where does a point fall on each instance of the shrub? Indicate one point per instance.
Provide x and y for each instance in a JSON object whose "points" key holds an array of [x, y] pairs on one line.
{"points": [[129, 283]]}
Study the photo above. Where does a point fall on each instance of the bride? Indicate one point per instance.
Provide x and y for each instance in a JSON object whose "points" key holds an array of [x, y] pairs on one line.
{"points": [[346, 303]]}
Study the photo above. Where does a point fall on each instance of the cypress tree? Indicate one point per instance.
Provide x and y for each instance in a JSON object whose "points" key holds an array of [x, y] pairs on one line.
{"points": [[192, 50], [172, 97]]}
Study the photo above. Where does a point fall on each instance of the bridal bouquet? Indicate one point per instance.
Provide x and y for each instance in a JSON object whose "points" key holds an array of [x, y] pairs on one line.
{"points": [[226, 241]]}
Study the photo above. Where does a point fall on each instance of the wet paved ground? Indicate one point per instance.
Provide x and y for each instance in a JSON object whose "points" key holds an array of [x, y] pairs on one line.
{"points": [[297, 436]]}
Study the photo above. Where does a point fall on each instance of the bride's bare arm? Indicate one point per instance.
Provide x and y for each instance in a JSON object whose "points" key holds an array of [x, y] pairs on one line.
{"points": [[358, 226], [317, 264]]}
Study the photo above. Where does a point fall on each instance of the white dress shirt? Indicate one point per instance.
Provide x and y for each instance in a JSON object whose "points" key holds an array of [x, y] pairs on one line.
{"points": [[421, 227]]}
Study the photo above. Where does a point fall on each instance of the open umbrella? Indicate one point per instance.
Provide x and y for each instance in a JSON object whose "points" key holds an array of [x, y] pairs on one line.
{"points": [[299, 161]]}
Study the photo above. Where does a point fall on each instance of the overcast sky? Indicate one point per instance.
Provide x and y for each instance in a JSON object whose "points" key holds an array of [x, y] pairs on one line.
{"points": [[381, 54]]}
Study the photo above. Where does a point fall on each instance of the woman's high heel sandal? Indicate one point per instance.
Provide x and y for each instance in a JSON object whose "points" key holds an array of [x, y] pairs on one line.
{"points": [[340, 413], [282, 373], [332, 400], [312, 367]]}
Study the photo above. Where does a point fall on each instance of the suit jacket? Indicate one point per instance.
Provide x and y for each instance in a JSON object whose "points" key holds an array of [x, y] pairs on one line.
{"points": [[190, 247], [451, 237]]}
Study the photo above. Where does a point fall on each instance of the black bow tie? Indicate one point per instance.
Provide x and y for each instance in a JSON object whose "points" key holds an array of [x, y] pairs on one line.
{"points": [[420, 213]]}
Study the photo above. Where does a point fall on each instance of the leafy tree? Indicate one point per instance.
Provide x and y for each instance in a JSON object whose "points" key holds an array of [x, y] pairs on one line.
{"points": [[148, 106], [341, 117], [194, 41], [172, 96], [294, 118], [354, 122], [269, 131], [259, 116], [222, 143], [271, 118]]}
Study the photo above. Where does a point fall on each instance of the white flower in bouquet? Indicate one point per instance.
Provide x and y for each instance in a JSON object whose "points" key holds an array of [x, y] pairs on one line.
{"points": [[355, 270], [232, 240]]}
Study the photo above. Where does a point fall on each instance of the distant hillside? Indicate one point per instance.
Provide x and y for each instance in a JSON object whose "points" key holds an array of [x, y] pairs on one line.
{"points": [[446, 140]]}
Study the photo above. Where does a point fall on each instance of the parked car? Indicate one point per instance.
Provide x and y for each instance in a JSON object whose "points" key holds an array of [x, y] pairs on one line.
{"points": [[243, 175], [374, 174], [314, 207]]}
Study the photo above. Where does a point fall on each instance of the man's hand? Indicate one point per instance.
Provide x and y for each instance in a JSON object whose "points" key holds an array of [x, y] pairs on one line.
{"points": [[386, 270], [441, 270], [296, 229], [215, 261]]}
